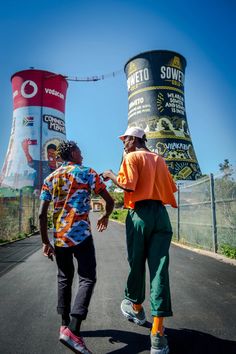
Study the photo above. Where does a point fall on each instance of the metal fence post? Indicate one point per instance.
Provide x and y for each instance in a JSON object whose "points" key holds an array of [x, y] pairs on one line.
{"points": [[213, 214], [178, 213], [33, 217], [20, 210]]}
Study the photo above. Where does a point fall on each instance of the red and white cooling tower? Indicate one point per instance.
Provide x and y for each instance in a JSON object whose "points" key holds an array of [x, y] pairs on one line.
{"points": [[38, 126]]}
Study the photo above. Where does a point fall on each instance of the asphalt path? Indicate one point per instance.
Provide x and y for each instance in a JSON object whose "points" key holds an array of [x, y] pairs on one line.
{"points": [[203, 298]]}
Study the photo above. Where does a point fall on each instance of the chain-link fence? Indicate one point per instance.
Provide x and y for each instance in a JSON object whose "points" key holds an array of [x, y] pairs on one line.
{"points": [[206, 216], [18, 214]]}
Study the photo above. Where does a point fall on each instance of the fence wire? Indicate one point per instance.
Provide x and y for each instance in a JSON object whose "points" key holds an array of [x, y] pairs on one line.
{"points": [[206, 216], [18, 214]]}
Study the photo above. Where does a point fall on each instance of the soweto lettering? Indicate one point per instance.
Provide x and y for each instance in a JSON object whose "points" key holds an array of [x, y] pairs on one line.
{"points": [[136, 102], [138, 77], [167, 72]]}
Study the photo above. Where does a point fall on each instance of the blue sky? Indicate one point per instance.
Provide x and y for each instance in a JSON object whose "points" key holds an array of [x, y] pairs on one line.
{"points": [[86, 38]]}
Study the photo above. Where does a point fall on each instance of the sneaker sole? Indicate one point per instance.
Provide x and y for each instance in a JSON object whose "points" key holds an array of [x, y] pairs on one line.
{"points": [[160, 351], [133, 319], [65, 342]]}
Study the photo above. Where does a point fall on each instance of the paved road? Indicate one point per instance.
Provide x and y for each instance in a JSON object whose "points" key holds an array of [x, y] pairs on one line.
{"points": [[203, 296]]}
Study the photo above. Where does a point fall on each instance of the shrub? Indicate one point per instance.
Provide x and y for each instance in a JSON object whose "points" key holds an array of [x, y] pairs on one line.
{"points": [[228, 251], [119, 214]]}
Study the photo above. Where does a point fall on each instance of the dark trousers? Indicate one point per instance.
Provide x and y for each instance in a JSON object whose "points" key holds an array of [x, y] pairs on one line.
{"points": [[84, 253], [148, 235]]}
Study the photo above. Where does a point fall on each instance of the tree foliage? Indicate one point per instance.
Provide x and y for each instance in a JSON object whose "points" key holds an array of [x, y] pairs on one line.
{"points": [[226, 168], [225, 186], [118, 198]]}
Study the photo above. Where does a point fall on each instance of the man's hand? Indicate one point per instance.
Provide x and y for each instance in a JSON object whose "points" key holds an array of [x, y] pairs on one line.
{"points": [[108, 174], [102, 223], [48, 251]]}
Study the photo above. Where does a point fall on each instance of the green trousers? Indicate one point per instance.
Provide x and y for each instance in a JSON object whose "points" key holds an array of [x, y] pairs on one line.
{"points": [[148, 236]]}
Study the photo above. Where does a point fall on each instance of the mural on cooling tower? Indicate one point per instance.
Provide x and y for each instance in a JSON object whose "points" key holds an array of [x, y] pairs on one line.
{"points": [[155, 83], [37, 128]]}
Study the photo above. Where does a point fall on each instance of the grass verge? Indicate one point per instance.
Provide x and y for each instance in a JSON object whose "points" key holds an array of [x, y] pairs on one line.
{"points": [[119, 215]]}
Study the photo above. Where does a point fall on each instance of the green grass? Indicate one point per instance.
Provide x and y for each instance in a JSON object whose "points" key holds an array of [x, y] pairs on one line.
{"points": [[228, 251], [20, 236], [119, 215]]}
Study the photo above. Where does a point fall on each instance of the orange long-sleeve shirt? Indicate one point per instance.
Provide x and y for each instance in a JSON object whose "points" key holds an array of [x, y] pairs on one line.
{"points": [[147, 174]]}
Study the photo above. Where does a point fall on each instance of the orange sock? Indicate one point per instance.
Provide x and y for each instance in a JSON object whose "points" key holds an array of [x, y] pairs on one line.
{"points": [[137, 307], [157, 325]]}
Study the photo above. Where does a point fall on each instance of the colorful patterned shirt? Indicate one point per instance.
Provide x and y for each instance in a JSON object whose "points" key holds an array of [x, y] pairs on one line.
{"points": [[69, 187]]}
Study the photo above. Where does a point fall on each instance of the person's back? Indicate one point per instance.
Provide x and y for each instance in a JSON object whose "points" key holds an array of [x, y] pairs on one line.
{"points": [[69, 188], [148, 177], [147, 186]]}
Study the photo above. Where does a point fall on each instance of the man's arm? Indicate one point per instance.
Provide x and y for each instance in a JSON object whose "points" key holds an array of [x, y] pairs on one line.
{"points": [[48, 250], [109, 174], [103, 220]]}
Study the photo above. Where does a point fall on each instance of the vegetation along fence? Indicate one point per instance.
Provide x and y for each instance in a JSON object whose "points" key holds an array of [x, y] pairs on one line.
{"points": [[18, 213], [206, 216]]}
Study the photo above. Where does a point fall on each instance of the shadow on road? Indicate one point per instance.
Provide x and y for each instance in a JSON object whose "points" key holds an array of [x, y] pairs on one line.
{"points": [[11, 254], [135, 342], [188, 341], [181, 341]]}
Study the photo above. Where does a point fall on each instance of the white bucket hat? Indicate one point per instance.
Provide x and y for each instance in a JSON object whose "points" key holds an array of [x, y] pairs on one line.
{"points": [[133, 131]]}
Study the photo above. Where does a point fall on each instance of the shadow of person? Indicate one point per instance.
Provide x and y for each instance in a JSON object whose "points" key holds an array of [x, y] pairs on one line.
{"points": [[188, 341], [135, 342], [181, 341]]}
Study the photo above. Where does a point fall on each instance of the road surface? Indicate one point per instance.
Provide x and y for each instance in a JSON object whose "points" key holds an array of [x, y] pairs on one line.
{"points": [[203, 297]]}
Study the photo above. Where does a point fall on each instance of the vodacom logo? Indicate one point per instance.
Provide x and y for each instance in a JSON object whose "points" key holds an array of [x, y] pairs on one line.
{"points": [[28, 89]]}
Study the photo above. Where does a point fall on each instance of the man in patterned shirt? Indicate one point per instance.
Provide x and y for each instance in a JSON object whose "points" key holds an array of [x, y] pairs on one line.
{"points": [[69, 188]]}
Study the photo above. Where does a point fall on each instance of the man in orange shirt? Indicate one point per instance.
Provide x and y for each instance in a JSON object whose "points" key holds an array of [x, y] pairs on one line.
{"points": [[147, 186]]}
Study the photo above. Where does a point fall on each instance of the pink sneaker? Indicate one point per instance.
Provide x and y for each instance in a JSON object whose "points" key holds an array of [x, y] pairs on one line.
{"points": [[73, 342], [62, 328]]}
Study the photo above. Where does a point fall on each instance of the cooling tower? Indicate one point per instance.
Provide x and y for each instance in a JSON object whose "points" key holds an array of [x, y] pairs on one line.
{"points": [[37, 128], [156, 101]]}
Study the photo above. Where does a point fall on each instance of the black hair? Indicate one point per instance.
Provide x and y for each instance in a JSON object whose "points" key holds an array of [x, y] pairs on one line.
{"points": [[65, 149], [51, 146], [142, 140]]}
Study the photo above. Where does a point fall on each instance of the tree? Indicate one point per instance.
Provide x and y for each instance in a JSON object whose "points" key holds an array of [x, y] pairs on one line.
{"points": [[225, 194], [224, 165], [226, 168], [118, 198], [225, 185]]}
